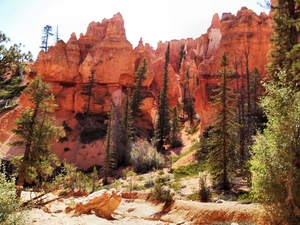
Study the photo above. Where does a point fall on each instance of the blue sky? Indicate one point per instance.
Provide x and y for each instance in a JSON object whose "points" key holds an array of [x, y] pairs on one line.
{"points": [[153, 20]]}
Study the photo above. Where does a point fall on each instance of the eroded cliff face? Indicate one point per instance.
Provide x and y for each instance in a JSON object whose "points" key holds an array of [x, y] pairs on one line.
{"points": [[105, 49]]}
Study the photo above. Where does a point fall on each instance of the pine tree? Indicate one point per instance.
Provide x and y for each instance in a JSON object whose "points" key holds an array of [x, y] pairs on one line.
{"points": [[188, 103], [36, 132], [12, 58], [124, 133], [175, 136], [284, 55], [163, 127], [223, 136], [47, 31], [181, 56], [137, 97], [109, 160]]}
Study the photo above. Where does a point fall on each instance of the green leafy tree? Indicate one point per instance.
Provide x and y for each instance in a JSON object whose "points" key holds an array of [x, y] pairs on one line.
{"points": [[12, 59], [175, 136], [275, 162], [223, 135], [10, 205], [137, 96], [47, 32], [36, 133], [163, 126], [276, 156]]}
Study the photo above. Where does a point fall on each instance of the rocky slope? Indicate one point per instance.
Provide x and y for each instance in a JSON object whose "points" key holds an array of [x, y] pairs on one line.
{"points": [[105, 49]]}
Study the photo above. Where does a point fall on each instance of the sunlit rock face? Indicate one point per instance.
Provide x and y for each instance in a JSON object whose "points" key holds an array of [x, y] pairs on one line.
{"points": [[105, 49]]}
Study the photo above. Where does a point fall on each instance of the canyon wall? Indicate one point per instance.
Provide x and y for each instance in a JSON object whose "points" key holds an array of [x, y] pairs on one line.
{"points": [[105, 49]]}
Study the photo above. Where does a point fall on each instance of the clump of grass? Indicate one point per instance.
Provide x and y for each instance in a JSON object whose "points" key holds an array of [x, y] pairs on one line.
{"points": [[149, 183], [192, 170]]}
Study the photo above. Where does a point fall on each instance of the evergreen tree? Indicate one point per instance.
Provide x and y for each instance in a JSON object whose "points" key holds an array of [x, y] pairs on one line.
{"points": [[12, 58], [109, 160], [36, 132], [285, 52], [188, 102], [175, 136], [124, 133], [137, 97], [181, 56], [163, 127], [88, 90], [222, 141], [47, 32]]}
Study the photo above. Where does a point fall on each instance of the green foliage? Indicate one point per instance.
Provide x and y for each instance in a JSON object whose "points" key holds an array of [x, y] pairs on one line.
{"points": [[162, 179], [192, 128], [176, 186], [137, 97], [161, 193], [246, 198], [204, 191], [193, 148], [276, 153], [188, 102], [12, 59], [124, 133], [11, 88], [10, 206], [144, 157], [175, 135], [163, 126], [110, 157], [36, 134], [182, 57], [284, 54], [222, 140], [149, 183], [73, 180], [192, 169]]}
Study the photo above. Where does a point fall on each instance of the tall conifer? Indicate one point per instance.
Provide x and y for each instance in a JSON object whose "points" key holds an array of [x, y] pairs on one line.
{"points": [[223, 136], [163, 126]]}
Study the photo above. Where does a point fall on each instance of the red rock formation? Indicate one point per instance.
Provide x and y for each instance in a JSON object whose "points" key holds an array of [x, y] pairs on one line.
{"points": [[105, 48]]}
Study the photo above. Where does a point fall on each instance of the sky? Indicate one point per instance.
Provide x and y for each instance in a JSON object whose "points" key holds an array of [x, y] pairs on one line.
{"points": [[153, 20]]}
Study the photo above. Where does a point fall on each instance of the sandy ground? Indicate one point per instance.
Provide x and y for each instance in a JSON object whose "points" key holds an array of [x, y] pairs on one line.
{"points": [[139, 211], [129, 212]]}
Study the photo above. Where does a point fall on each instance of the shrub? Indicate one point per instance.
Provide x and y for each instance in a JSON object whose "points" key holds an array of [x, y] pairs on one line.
{"points": [[162, 194], [149, 183], [10, 206], [162, 179], [204, 191], [144, 157], [192, 169]]}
